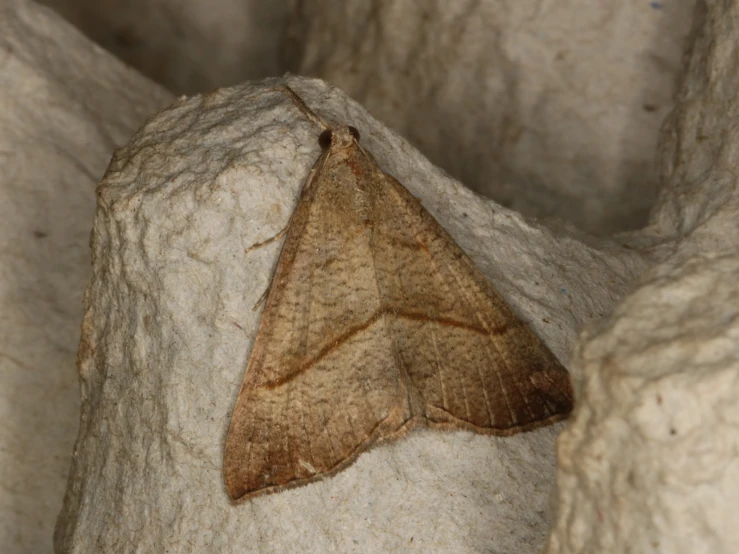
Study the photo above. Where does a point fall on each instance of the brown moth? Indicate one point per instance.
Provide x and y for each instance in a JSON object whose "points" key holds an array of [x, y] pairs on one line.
{"points": [[376, 322]]}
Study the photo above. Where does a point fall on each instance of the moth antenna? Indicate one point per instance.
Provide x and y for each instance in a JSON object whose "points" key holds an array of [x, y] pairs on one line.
{"points": [[307, 112]]}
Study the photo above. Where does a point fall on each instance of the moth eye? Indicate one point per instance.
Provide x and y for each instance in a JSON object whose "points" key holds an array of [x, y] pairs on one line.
{"points": [[324, 139], [354, 132]]}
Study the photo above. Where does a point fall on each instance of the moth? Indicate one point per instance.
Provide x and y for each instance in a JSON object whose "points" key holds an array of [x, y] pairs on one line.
{"points": [[376, 322]]}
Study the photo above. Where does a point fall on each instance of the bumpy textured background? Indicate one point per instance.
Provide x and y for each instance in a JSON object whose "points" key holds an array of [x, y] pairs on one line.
{"points": [[553, 111]]}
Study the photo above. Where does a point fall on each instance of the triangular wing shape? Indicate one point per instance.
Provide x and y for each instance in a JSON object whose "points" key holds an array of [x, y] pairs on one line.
{"points": [[376, 320], [321, 383], [470, 361]]}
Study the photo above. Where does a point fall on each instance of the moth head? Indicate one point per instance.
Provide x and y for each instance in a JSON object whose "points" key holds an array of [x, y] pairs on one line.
{"points": [[339, 136]]}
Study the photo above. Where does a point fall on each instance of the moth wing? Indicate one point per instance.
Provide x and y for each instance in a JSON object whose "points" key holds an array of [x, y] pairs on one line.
{"points": [[472, 363], [321, 384], [376, 317]]}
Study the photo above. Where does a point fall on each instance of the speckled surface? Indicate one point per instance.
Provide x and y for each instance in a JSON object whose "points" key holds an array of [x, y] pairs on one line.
{"points": [[649, 459], [169, 327], [64, 106]]}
